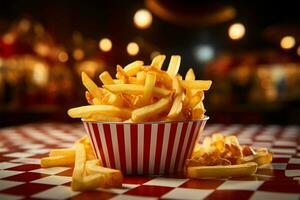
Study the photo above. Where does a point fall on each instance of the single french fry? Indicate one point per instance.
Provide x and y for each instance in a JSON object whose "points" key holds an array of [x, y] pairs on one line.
{"points": [[151, 110], [103, 118], [201, 85], [62, 152], [90, 86], [55, 161], [158, 61], [176, 86], [106, 78], [190, 75], [89, 97], [197, 113], [199, 172], [141, 77], [79, 166], [93, 181], [94, 110], [259, 158], [149, 86], [196, 99], [96, 101], [119, 81], [136, 89], [176, 107], [113, 177], [132, 68], [121, 74], [174, 65]]}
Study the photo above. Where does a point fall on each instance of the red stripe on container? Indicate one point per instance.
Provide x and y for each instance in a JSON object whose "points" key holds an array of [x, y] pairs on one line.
{"points": [[107, 133], [147, 139], [188, 146], [170, 146], [121, 143], [98, 141], [179, 153], [159, 142], [134, 149]]}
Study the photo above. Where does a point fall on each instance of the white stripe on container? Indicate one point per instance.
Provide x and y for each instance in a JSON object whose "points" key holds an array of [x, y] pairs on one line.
{"points": [[164, 149], [93, 138], [191, 147], [175, 146], [140, 148], [184, 146], [115, 144], [103, 143], [127, 140], [153, 139]]}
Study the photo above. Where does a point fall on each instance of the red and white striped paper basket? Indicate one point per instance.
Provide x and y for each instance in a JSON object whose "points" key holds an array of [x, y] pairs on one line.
{"points": [[145, 148]]}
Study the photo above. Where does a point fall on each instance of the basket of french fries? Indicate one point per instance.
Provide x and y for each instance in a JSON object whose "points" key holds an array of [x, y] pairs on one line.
{"points": [[149, 121], [146, 120]]}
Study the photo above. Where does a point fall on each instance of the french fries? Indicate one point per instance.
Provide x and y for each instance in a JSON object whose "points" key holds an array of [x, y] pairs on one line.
{"points": [[88, 173], [139, 88], [199, 172], [222, 156]]}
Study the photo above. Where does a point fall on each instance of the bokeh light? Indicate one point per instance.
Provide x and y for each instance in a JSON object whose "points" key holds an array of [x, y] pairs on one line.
{"points": [[133, 48], [236, 31], [105, 44], [142, 19], [204, 53], [287, 42], [63, 56], [78, 54]]}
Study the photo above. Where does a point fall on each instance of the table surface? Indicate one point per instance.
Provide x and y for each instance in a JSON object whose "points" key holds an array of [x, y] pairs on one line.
{"points": [[22, 178]]}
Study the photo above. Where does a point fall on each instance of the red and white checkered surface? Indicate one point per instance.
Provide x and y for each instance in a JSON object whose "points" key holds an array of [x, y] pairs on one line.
{"points": [[22, 178]]}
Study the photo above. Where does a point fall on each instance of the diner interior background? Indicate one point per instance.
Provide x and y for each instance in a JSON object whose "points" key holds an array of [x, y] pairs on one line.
{"points": [[249, 49]]}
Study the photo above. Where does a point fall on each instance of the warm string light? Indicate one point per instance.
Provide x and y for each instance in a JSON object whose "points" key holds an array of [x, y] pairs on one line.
{"points": [[236, 31], [133, 48], [142, 19], [105, 44], [287, 42]]}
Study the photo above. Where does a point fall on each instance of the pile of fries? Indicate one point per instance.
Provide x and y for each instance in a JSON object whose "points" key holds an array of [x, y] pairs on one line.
{"points": [[219, 156], [142, 93], [88, 174]]}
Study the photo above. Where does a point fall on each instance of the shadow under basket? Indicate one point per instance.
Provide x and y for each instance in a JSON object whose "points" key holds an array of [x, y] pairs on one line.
{"points": [[156, 148]]}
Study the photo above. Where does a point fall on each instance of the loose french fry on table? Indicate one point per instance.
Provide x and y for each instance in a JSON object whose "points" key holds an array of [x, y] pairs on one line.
{"points": [[54, 161], [112, 177], [220, 171]]}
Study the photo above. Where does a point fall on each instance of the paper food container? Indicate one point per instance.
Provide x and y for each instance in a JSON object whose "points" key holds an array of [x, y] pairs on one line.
{"points": [[148, 148]]}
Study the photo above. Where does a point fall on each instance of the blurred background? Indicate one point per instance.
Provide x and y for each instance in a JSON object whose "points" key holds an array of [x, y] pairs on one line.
{"points": [[250, 49]]}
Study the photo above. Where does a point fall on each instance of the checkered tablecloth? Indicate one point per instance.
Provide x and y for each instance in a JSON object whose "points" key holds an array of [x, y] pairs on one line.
{"points": [[22, 178]]}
